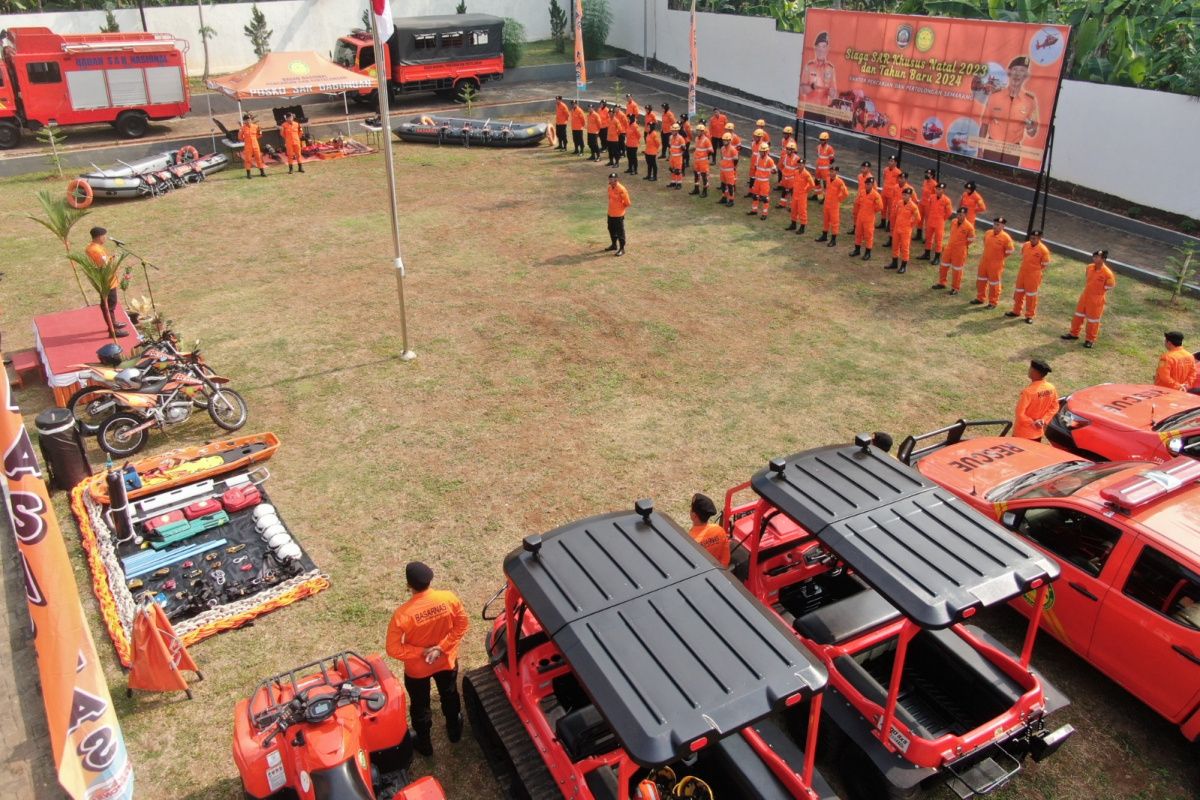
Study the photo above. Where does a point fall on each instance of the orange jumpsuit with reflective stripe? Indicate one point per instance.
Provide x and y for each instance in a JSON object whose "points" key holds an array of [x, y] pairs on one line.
{"points": [[928, 189], [835, 193], [702, 156], [939, 210], [825, 154], [1034, 260], [996, 248], [290, 130], [803, 184], [891, 188], [866, 205], [1098, 282], [973, 201], [1038, 403], [962, 233], [1176, 369], [729, 159], [251, 153], [761, 172], [905, 220], [789, 165], [675, 156]]}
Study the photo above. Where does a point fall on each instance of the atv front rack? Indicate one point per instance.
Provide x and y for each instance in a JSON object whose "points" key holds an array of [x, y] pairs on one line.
{"points": [[346, 667]]}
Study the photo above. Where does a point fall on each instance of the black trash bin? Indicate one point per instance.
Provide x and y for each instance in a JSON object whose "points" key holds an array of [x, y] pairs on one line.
{"points": [[62, 448]]}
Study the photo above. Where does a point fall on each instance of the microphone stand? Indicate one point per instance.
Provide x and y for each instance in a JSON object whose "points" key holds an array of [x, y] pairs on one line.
{"points": [[145, 273]]}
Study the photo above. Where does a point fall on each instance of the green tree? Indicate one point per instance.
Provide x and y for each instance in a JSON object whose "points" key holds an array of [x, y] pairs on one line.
{"points": [[558, 26], [257, 32], [597, 20], [514, 42], [52, 137], [60, 218], [461, 8], [110, 20], [1181, 268], [206, 32]]}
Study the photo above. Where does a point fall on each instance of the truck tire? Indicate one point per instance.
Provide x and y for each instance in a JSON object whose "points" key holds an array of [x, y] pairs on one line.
{"points": [[10, 135], [133, 124], [460, 84]]}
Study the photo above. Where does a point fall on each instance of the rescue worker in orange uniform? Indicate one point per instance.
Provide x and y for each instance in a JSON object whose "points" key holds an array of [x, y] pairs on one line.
{"points": [[675, 158], [1009, 116], [905, 220], [825, 156], [593, 132], [789, 135], [897, 200], [939, 210], [891, 189], [997, 246], [631, 107], [737, 140], [762, 126], [562, 115], [578, 123], [973, 200], [618, 204], [716, 124], [1176, 367], [252, 155], [685, 129], [633, 139], [668, 117], [756, 139], [1099, 280], [789, 165], [424, 635], [928, 187], [651, 117], [835, 192], [712, 538], [292, 141], [615, 136], [605, 120], [802, 185], [761, 171], [818, 84], [1037, 405], [729, 162], [864, 172], [651, 151], [703, 161], [867, 203], [1035, 257], [962, 233], [99, 255]]}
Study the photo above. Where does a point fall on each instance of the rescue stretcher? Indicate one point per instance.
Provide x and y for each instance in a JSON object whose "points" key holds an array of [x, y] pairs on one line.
{"points": [[471, 132]]}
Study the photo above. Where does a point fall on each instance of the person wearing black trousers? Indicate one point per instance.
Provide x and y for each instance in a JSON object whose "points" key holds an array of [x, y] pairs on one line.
{"points": [[562, 116], [651, 150]]}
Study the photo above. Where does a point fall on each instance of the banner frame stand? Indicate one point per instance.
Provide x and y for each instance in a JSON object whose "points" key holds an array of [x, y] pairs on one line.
{"points": [[1044, 170]]}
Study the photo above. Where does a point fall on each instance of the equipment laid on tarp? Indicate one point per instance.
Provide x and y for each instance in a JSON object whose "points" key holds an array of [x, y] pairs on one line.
{"points": [[151, 176], [471, 132], [199, 536]]}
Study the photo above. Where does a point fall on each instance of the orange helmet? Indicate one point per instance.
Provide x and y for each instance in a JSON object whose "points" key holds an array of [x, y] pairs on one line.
{"points": [[764, 147]]}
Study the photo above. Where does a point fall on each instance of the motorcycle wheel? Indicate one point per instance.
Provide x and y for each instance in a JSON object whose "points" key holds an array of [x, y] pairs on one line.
{"points": [[228, 409], [114, 436], [89, 421]]}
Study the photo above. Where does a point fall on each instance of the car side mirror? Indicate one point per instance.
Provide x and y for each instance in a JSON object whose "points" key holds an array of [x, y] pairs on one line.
{"points": [[1009, 520]]}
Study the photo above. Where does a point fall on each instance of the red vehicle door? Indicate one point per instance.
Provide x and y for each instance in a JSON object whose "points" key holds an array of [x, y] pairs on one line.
{"points": [[1148, 636], [1083, 546]]}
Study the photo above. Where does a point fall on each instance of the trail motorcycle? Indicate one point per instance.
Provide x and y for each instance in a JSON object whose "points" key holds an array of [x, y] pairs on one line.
{"points": [[169, 403]]}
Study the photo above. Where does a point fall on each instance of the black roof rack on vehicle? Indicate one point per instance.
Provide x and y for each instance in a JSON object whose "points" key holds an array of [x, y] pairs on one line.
{"points": [[951, 434], [668, 646], [929, 553]]}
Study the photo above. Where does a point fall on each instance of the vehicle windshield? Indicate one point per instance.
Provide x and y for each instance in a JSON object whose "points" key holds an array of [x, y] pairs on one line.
{"points": [[344, 53], [1074, 476], [1007, 489], [1176, 420]]}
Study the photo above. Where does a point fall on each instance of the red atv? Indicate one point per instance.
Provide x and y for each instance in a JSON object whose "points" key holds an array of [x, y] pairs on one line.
{"points": [[333, 729]]}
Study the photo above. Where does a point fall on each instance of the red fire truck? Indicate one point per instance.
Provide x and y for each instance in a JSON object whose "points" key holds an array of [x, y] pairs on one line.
{"points": [[124, 79], [430, 54]]}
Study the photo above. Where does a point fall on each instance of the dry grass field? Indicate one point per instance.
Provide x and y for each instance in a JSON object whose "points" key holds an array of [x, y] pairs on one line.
{"points": [[552, 382]]}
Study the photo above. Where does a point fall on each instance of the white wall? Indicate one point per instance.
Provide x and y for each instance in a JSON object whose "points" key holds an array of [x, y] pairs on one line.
{"points": [[296, 24], [1131, 143]]}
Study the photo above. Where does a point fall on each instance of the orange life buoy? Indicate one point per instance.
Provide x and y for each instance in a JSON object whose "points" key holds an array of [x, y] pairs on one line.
{"points": [[80, 194], [551, 135], [186, 153]]}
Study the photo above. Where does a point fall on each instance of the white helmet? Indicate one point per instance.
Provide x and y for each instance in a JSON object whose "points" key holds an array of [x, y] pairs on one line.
{"points": [[262, 510], [289, 552]]}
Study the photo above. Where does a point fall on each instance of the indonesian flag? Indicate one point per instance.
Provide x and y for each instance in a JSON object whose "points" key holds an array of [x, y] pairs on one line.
{"points": [[383, 18], [695, 68], [580, 62]]}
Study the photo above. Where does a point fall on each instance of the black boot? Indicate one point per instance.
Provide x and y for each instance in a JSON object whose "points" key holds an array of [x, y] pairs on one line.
{"points": [[422, 743], [289, 169], [894, 265], [247, 174], [889, 242], [262, 172], [921, 236], [695, 189], [856, 251], [824, 237], [300, 167], [704, 192], [832, 241], [791, 227], [800, 229], [924, 256], [937, 260], [454, 727], [903, 268], [867, 255], [612, 246]]}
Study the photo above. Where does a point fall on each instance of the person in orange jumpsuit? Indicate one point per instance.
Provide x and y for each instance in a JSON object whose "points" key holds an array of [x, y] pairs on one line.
{"points": [[737, 140], [789, 165], [562, 116], [761, 171], [702, 164], [962, 233], [756, 139], [631, 107], [1098, 281], [1037, 405], [762, 126], [292, 141], [938, 211], [675, 158], [928, 187], [973, 200], [716, 124], [864, 172], [835, 193], [789, 135], [98, 254], [651, 117], [252, 155], [602, 134], [802, 185], [651, 151], [685, 129], [424, 634], [618, 204], [867, 203], [712, 538], [615, 135], [825, 155], [729, 161], [1176, 367], [578, 124], [633, 138], [891, 189], [668, 117], [1035, 257], [897, 200], [593, 132], [905, 220], [997, 246]]}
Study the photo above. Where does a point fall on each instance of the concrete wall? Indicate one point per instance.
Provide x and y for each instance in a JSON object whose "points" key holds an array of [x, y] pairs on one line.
{"points": [[296, 24], [1131, 143]]}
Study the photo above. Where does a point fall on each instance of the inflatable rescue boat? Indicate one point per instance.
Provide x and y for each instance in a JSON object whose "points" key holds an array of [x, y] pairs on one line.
{"points": [[471, 132], [153, 175]]}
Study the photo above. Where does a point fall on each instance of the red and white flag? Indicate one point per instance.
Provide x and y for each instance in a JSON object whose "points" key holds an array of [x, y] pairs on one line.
{"points": [[383, 18], [695, 68]]}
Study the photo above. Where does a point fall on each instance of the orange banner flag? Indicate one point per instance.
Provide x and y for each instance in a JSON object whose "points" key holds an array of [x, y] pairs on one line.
{"points": [[159, 658], [89, 748], [580, 62]]}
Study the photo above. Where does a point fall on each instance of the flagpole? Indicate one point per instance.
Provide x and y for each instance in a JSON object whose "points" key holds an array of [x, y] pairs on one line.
{"points": [[691, 99], [389, 165]]}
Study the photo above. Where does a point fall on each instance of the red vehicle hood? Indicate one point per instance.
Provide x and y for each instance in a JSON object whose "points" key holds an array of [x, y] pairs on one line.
{"points": [[1131, 406], [974, 467]]}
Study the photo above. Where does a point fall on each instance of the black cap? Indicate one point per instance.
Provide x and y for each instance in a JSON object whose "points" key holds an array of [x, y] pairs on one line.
{"points": [[822, 38], [962, 209], [558, 97], [246, 116], [868, 179], [612, 174], [907, 190], [1037, 233], [703, 506], [1174, 337], [1041, 366], [418, 575], [941, 186], [1001, 220], [1019, 61], [970, 184], [865, 164]]}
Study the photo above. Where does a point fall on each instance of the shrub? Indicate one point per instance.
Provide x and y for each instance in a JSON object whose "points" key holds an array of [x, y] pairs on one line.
{"points": [[514, 42], [257, 32], [558, 26], [597, 19]]}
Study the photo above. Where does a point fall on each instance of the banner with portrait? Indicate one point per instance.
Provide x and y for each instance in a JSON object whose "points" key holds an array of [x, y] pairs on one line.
{"points": [[972, 87]]}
